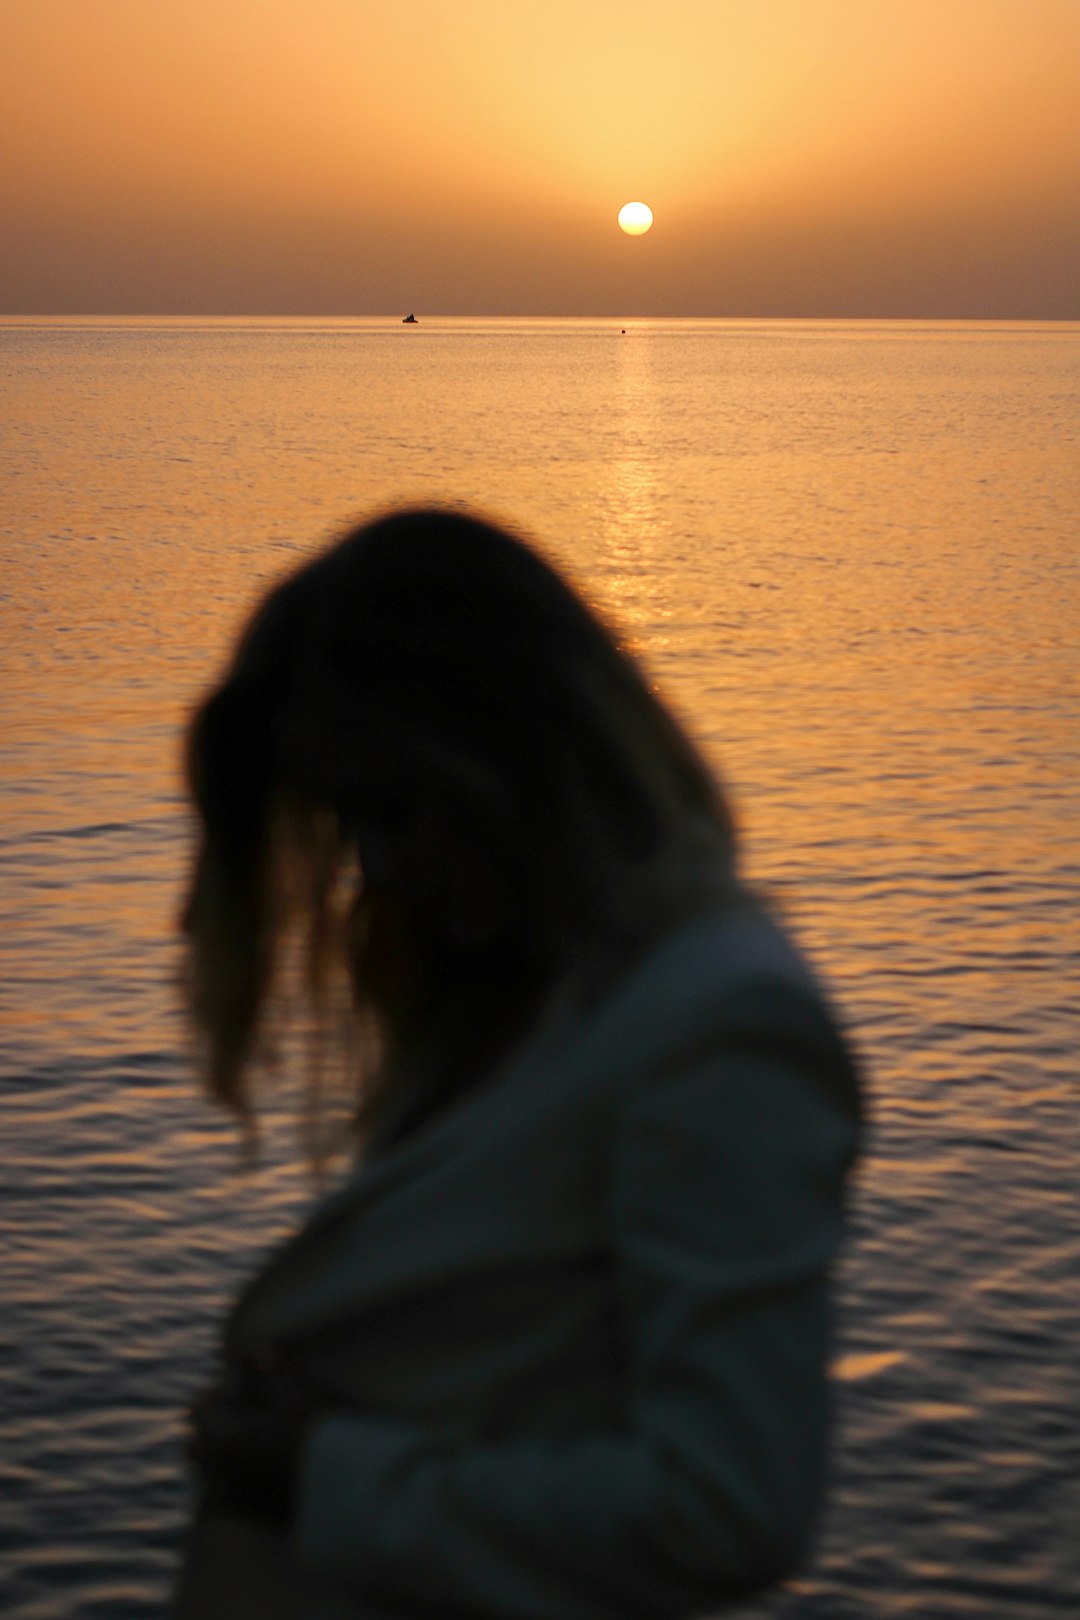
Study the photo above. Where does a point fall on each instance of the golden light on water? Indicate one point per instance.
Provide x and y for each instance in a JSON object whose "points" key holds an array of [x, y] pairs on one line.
{"points": [[635, 218]]}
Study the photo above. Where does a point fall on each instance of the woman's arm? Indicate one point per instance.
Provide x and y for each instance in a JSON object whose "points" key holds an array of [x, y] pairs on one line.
{"points": [[726, 1208]]}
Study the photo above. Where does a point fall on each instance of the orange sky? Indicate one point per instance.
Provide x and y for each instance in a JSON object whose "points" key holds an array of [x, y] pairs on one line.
{"points": [[802, 157]]}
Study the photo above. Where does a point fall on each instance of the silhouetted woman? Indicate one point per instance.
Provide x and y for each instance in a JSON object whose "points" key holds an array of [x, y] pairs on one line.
{"points": [[556, 1349]]}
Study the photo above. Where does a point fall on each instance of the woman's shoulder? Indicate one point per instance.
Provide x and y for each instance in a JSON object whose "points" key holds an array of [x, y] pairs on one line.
{"points": [[722, 952], [736, 938], [729, 976]]}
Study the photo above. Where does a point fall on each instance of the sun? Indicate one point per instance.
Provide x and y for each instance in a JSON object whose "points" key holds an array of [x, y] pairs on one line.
{"points": [[635, 218]]}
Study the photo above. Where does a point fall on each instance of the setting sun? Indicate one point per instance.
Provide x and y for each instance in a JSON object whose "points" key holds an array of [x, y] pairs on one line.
{"points": [[635, 218], [810, 157]]}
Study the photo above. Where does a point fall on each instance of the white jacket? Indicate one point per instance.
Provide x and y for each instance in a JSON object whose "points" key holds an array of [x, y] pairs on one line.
{"points": [[573, 1332]]}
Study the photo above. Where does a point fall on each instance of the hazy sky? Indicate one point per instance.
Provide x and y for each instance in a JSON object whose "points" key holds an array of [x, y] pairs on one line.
{"points": [[802, 157]]}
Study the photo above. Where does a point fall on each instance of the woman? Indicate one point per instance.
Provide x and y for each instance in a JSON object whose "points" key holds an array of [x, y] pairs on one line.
{"points": [[556, 1350]]}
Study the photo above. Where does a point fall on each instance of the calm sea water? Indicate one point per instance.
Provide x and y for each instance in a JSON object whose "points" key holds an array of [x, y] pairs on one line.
{"points": [[848, 554]]}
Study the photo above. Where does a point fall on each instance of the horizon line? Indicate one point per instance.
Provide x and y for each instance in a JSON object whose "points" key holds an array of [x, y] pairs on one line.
{"points": [[525, 315]]}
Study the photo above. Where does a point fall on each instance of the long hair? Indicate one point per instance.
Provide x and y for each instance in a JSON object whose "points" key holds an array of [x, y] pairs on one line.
{"points": [[434, 766]]}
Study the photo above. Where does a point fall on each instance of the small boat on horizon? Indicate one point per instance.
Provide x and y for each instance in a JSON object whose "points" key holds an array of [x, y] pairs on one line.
{"points": [[409, 319]]}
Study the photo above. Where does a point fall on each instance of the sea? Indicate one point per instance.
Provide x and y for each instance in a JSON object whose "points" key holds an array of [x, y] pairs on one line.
{"points": [[847, 554]]}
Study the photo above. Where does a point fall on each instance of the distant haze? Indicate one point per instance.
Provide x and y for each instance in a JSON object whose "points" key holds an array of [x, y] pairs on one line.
{"points": [[914, 158]]}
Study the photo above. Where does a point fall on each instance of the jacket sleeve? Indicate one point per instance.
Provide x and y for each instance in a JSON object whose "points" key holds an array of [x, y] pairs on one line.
{"points": [[726, 1206]]}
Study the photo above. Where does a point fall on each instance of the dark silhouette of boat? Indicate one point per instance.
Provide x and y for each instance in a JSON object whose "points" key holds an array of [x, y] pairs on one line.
{"points": [[409, 319]]}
